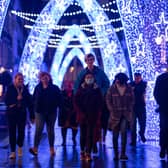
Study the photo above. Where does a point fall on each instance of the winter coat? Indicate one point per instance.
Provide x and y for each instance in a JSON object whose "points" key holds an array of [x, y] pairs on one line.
{"points": [[88, 104], [67, 115], [47, 100], [19, 108], [119, 106], [161, 93]]}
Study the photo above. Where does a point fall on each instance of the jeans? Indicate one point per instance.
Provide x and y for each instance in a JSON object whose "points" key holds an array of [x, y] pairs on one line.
{"points": [[16, 126], [140, 115], [122, 127], [41, 120], [87, 137]]}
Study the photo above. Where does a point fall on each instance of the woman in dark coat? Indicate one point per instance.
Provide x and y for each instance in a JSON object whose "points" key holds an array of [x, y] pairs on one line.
{"points": [[17, 100], [67, 115], [88, 103], [120, 101], [47, 97]]}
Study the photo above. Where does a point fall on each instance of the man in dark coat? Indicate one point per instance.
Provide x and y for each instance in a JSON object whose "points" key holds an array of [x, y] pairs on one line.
{"points": [[139, 87], [103, 83], [161, 97]]}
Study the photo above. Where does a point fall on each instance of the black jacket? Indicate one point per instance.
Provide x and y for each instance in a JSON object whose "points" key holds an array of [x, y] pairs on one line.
{"points": [[15, 107], [47, 100], [161, 90]]}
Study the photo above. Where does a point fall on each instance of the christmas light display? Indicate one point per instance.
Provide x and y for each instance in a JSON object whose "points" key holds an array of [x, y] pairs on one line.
{"points": [[141, 32], [3, 10], [62, 70], [146, 39], [57, 68], [33, 52]]}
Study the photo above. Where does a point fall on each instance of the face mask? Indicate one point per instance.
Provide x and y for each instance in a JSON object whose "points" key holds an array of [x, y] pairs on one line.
{"points": [[89, 81]]}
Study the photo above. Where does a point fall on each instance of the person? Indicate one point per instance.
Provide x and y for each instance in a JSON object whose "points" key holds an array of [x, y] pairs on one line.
{"points": [[5, 80], [88, 103], [67, 115], [139, 87], [18, 100], [47, 98], [120, 99], [102, 82], [161, 97]]}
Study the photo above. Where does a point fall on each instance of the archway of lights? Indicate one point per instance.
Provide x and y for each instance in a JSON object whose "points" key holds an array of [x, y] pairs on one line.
{"points": [[110, 49], [57, 67], [75, 52], [145, 43]]}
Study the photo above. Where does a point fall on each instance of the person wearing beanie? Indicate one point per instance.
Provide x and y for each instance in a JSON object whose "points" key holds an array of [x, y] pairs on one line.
{"points": [[120, 100]]}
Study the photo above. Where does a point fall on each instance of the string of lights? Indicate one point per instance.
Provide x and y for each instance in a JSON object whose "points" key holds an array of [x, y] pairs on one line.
{"points": [[111, 48], [144, 37], [26, 14], [104, 7], [58, 37], [58, 27]]}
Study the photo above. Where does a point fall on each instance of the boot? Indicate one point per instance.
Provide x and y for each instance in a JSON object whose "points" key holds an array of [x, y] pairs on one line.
{"points": [[33, 151], [143, 139], [20, 151]]}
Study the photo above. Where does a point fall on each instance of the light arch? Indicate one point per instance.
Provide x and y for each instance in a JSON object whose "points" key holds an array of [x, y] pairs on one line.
{"points": [[75, 52], [59, 60], [33, 52]]}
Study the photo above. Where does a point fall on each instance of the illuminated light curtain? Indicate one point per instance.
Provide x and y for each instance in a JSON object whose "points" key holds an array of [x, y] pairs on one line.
{"points": [[140, 34], [75, 52], [141, 56], [111, 51], [3, 10], [32, 57], [59, 60]]}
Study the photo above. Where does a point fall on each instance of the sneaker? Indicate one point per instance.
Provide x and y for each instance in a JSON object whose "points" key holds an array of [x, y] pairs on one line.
{"points": [[88, 158], [33, 151], [12, 155], [20, 152], [123, 157], [143, 139], [52, 152], [82, 156]]}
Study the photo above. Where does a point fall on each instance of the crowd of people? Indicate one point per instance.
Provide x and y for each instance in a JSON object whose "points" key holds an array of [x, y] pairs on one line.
{"points": [[91, 104]]}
